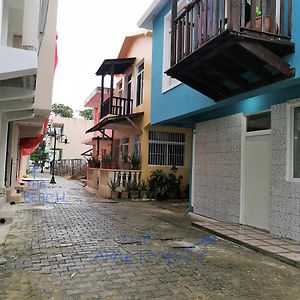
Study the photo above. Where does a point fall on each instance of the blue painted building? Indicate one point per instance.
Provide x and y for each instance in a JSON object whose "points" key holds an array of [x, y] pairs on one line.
{"points": [[235, 79]]}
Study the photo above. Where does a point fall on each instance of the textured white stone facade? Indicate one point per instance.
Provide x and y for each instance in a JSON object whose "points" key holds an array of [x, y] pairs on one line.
{"points": [[217, 164], [285, 194], [218, 168]]}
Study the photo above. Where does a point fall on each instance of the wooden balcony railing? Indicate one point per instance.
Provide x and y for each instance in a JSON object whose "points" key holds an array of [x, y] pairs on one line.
{"points": [[116, 106], [202, 20]]}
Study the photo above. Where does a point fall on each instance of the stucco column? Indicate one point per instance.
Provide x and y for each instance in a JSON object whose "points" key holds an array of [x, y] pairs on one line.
{"points": [[31, 18], [3, 23], [1, 17], [3, 146]]}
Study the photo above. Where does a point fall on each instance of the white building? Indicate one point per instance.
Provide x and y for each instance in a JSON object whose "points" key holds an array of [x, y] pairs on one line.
{"points": [[69, 130], [27, 55]]}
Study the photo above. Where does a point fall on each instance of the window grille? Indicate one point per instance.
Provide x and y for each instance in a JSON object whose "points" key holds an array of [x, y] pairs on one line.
{"points": [[166, 148]]}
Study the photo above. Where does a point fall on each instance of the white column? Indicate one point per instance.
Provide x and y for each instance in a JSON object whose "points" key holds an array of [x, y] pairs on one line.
{"points": [[31, 18], [3, 146], [1, 17], [3, 22]]}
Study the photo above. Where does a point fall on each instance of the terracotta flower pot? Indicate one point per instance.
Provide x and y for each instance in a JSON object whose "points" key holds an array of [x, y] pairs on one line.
{"points": [[114, 194], [124, 195], [258, 24]]}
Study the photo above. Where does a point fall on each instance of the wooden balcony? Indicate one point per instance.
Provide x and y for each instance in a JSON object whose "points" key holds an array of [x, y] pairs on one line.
{"points": [[222, 48], [116, 106]]}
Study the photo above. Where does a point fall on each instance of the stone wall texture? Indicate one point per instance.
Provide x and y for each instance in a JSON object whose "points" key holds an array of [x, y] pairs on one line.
{"points": [[285, 194], [217, 165]]}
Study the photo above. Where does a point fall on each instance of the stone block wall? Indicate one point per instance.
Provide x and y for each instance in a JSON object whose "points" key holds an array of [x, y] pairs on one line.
{"points": [[217, 165], [285, 193]]}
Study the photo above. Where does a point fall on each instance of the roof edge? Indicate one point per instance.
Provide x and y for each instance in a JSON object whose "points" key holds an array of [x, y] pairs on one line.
{"points": [[146, 20]]}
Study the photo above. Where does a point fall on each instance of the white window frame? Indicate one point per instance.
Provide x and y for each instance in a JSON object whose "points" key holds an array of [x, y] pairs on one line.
{"points": [[290, 142], [158, 142], [168, 82], [142, 85], [129, 81]]}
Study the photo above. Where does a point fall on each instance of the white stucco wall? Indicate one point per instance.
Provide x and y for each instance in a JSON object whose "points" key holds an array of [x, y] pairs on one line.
{"points": [[75, 130]]}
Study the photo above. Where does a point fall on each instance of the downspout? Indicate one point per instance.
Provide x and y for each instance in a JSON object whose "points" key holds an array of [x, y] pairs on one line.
{"points": [[192, 172]]}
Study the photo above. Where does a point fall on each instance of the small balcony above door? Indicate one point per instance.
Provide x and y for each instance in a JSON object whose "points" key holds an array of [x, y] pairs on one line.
{"points": [[111, 103], [223, 48]]}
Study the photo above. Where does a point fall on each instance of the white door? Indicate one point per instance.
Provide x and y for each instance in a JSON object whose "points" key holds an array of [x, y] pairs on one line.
{"points": [[257, 181]]}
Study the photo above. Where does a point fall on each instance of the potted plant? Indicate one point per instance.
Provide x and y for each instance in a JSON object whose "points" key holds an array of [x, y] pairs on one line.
{"points": [[125, 160], [125, 190], [258, 22], [93, 162], [134, 190], [106, 161], [113, 185], [158, 185], [135, 160], [174, 183], [144, 189]]}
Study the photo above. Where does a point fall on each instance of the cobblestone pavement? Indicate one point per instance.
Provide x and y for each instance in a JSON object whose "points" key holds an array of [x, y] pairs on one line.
{"points": [[84, 248]]}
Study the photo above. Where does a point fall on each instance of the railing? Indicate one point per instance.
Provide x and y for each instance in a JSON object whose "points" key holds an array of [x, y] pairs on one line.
{"points": [[116, 106], [125, 176], [201, 20], [122, 176], [69, 166]]}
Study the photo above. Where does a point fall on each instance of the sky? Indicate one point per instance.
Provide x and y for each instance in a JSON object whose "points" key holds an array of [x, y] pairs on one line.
{"points": [[90, 31]]}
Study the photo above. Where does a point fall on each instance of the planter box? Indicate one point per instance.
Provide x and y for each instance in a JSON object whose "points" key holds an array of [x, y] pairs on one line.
{"points": [[110, 166]]}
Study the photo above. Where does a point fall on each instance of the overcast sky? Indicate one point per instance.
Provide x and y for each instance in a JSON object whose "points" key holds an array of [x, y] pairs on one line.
{"points": [[90, 31]]}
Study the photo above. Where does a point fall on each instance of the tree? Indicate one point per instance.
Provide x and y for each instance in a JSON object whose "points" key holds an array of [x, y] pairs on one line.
{"points": [[40, 155], [87, 114], [62, 110]]}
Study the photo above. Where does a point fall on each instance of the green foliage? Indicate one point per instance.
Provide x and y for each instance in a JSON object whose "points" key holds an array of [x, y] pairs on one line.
{"points": [[125, 158], [62, 110], [113, 185], [93, 162], [158, 185], [40, 155], [87, 114], [134, 186], [135, 160], [174, 182], [106, 159], [258, 12], [144, 185], [161, 185]]}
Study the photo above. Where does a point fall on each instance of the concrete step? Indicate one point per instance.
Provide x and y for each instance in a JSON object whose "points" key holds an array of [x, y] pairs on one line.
{"points": [[12, 196]]}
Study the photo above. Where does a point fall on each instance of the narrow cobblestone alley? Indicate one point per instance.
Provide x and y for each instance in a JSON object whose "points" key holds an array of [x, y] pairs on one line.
{"points": [[86, 248]]}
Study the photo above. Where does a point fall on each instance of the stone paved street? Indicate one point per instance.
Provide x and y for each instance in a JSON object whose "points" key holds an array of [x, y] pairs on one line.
{"points": [[84, 248]]}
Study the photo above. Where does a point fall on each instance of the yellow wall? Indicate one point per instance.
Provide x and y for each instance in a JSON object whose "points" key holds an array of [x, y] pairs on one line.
{"points": [[184, 171], [141, 48]]}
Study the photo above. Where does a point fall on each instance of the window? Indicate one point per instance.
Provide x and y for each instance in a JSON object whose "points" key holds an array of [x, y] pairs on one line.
{"points": [[140, 84], [58, 129], [258, 122], [167, 81], [137, 144], [125, 146], [129, 85], [120, 88], [166, 149], [296, 142]]}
